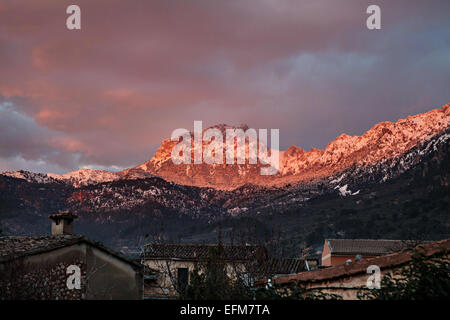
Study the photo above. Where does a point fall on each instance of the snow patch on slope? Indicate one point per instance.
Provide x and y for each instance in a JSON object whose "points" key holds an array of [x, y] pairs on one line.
{"points": [[86, 177], [344, 191], [30, 176]]}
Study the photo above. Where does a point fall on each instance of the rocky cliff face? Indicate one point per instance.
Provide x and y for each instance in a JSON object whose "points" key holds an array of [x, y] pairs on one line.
{"points": [[221, 176], [395, 171], [382, 143]]}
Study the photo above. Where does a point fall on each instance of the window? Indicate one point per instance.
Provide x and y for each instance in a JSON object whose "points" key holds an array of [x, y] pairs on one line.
{"points": [[182, 277]]}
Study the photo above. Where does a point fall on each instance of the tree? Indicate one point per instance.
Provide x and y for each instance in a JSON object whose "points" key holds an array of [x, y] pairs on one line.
{"points": [[210, 280]]}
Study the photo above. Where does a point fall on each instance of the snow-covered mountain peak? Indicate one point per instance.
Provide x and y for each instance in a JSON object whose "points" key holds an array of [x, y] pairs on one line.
{"points": [[383, 142], [85, 176], [30, 176]]}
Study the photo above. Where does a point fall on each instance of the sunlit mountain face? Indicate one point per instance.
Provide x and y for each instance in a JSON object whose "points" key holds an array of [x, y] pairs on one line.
{"points": [[395, 174], [383, 143], [105, 96]]}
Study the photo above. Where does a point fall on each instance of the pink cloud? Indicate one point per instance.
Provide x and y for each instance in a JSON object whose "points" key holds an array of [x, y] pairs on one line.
{"points": [[139, 69]]}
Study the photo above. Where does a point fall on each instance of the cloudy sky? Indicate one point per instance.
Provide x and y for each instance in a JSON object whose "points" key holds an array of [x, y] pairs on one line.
{"points": [[105, 96]]}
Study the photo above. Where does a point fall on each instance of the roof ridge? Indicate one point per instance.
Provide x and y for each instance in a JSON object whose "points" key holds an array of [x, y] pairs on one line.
{"points": [[64, 240]]}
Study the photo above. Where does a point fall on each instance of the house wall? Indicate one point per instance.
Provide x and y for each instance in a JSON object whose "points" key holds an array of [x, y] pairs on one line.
{"points": [[346, 287], [165, 285], [44, 276], [349, 286], [326, 255], [111, 278], [330, 259]]}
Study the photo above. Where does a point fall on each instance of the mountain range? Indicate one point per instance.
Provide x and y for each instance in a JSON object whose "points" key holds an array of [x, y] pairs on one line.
{"points": [[393, 169]]}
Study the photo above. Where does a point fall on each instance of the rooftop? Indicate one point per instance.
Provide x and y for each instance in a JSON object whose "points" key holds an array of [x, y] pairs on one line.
{"points": [[385, 261], [366, 246], [201, 251], [63, 214], [275, 266], [13, 247]]}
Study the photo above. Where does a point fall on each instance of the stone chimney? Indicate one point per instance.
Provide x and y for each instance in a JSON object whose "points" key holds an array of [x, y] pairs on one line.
{"points": [[62, 223]]}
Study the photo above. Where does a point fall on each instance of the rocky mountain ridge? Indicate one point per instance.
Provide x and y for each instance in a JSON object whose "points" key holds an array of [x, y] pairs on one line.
{"points": [[412, 186], [386, 141]]}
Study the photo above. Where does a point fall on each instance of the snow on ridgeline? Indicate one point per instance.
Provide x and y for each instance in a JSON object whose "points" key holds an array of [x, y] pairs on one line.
{"points": [[31, 176], [387, 149], [384, 141], [77, 178], [84, 177]]}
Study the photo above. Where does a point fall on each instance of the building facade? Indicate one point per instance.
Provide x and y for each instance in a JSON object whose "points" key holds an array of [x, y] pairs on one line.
{"points": [[65, 267], [172, 264], [346, 280], [339, 251]]}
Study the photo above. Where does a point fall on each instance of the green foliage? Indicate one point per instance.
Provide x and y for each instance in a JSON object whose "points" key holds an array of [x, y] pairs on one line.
{"points": [[424, 278]]}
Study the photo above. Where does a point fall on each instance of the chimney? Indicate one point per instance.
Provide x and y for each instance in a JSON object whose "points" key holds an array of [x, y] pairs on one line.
{"points": [[62, 223]]}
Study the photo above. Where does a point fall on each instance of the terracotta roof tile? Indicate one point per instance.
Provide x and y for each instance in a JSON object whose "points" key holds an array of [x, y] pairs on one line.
{"points": [[385, 261], [365, 246], [275, 266]]}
